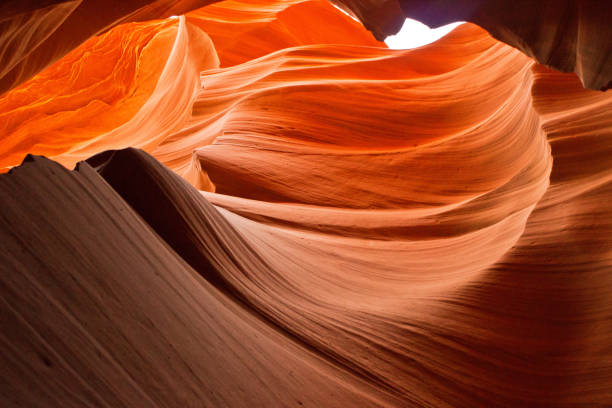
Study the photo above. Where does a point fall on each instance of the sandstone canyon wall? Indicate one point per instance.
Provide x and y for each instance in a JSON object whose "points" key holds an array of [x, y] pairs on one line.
{"points": [[270, 208]]}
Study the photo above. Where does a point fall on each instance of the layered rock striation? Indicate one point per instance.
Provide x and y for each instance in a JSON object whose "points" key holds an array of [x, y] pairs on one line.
{"points": [[263, 212]]}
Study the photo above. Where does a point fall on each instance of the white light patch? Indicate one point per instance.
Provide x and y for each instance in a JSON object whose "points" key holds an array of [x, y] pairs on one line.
{"points": [[416, 34]]}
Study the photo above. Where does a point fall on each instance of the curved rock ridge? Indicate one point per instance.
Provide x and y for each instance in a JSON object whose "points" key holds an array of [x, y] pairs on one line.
{"points": [[313, 219], [271, 26], [35, 33], [398, 123], [570, 35], [98, 310], [140, 93]]}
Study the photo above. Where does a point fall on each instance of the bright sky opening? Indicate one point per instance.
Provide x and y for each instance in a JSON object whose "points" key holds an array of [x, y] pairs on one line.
{"points": [[416, 34]]}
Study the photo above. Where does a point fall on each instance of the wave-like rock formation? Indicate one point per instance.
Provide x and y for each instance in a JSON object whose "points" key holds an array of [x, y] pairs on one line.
{"points": [[569, 35], [141, 93], [36, 33], [267, 212]]}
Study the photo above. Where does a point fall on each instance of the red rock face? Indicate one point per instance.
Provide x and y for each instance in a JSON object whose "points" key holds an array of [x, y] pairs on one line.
{"points": [[270, 208]]}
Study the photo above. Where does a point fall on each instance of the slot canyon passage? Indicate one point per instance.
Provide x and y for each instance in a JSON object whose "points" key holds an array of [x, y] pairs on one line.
{"points": [[256, 203]]}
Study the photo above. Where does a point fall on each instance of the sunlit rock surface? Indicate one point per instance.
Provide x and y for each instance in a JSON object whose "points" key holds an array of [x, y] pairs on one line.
{"points": [[36, 33], [270, 208], [132, 86]]}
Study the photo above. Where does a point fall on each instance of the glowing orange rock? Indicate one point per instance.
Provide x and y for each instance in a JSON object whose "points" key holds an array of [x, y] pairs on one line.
{"points": [[423, 228], [36, 33], [129, 87], [268, 26]]}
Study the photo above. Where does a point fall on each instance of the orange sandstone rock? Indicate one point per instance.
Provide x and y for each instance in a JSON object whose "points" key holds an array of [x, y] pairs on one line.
{"points": [[315, 220]]}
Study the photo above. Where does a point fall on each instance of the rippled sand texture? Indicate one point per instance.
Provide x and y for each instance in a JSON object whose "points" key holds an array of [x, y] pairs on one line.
{"points": [[309, 219]]}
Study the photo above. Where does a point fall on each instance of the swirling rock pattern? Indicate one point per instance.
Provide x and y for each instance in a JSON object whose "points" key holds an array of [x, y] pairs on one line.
{"points": [[36, 33], [569, 35], [77, 107], [311, 219]]}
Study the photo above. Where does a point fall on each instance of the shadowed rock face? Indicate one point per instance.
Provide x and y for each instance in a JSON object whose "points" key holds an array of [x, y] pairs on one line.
{"points": [[307, 218], [98, 310]]}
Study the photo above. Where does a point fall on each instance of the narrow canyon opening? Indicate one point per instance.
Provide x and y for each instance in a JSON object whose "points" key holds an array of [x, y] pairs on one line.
{"points": [[416, 34]]}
